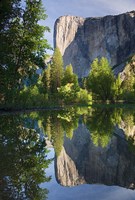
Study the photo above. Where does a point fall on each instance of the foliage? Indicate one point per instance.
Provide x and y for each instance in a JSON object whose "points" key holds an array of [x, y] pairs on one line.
{"points": [[23, 46], [31, 97], [101, 79], [52, 127], [69, 121], [67, 93], [70, 86], [56, 71], [46, 80], [83, 97], [70, 77], [128, 84], [23, 161], [117, 89], [101, 125]]}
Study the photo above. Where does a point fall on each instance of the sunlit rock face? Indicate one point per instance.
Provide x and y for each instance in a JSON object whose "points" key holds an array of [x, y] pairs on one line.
{"points": [[80, 161], [66, 171], [81, 40], [129, 129]]}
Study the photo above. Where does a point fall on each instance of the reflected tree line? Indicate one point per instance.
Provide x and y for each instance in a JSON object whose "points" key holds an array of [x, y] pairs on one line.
{"points": [[23, 159], [100, 121]]}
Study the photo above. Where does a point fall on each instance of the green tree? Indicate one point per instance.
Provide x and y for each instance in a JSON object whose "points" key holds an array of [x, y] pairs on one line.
{"points": [[117, 89], [56, 71], [23, 46], [70, 86], [100, 79], [128, 86], [70, 77], [45, 80], [67, 93], [83, 97]]}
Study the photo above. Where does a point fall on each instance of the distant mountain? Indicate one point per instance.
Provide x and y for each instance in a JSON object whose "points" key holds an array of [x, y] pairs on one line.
{"points": [[81, 40]]}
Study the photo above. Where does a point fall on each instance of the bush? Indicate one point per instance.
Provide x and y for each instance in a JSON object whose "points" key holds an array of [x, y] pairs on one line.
{"points": [[83, 97]]}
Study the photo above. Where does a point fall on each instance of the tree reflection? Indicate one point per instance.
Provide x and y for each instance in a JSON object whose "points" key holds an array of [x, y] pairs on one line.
{"points": [[56, 125], [23, 151], [101, 124], [22, 162], [128, 125]]}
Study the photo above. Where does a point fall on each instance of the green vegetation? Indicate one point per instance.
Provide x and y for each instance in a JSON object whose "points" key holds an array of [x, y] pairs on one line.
{"points": [[102, 123], [105, 86], [57, 124], [101, 79], [22, 48], [24, 154], [24, 160], [23, 51], [128, 84], [56, 72]]}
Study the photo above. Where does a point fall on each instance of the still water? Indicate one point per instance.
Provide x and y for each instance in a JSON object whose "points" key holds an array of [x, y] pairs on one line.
{"points": [[75, 153]]}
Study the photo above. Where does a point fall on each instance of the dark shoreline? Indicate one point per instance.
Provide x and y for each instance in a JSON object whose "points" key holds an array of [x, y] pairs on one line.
{"points": [[24, 110], [58, 108]]}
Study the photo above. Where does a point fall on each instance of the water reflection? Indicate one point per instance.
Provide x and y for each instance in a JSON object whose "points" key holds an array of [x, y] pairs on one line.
{"points": [[92, 145], [101, 150], [22, 161]]}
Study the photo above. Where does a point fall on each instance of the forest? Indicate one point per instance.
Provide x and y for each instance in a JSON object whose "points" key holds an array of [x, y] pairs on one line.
{"points": [[24, 51]]}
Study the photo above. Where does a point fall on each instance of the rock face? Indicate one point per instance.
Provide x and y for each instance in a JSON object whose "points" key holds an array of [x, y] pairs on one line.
{"points": [[82, 162], [81, 40]]}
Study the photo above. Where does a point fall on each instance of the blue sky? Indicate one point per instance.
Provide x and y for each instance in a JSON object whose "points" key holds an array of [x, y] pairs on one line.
{"points": [[83, 8]]}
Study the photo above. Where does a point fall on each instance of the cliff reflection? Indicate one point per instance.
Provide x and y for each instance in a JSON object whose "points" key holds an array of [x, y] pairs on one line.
{"points": [[92, 145], [100, 151]]}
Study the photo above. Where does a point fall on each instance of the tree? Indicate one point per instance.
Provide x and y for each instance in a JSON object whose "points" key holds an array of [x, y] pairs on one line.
{"points": [[70, 86], [128, 86], [100, 79], [70, 77], [67, 93], [23, 46], [117, 89], [46, 79], [83, 97], [56, 71]]}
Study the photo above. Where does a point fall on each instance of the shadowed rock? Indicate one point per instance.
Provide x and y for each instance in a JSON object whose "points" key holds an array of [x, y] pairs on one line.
{"points": [[81, 40], [80, 161]]}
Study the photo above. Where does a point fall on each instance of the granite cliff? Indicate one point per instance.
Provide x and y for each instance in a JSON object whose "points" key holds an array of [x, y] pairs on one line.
{"points": [[81, 40]]}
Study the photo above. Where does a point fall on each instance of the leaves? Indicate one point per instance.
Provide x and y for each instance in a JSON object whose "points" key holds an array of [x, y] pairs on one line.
{"points": [[23, 46], [101, 79]]}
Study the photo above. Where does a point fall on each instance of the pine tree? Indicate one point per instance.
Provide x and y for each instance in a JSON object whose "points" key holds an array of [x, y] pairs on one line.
{"points": [[46, 78], [70, 77], [56, 71]]}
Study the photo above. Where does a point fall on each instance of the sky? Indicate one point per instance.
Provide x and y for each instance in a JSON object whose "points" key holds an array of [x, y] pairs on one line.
{"points": [[83, 8]]}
